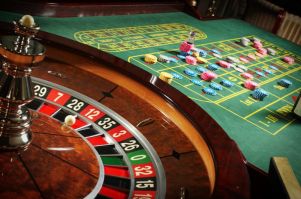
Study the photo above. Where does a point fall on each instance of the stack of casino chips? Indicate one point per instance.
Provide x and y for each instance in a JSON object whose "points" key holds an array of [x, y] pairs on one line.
{"points": [[237, 69], [251, 56], [262, 51], [185, 48], [288, 60], [227, 83], [191, 60], [250, 85], [285, 83], [166, 77], [164, 59], [196, 82], [242, 67], [176, 75], [150, 59], [232, 59], [201, 69], [201, 60], [247, 75], [202, 53], [273, 67], [209, 91], [271, 51], [244, 41], [243, 59], [259, 94], [215, 51], [257, 44], [224, 64], [208, 75], [268, 71], [190, 72], [213, 67], [216, 86]]}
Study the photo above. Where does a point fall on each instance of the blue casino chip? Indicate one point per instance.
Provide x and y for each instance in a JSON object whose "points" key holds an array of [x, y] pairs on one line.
{"points": [[259, 94], [176, 75], [216, 51], [190, 72], [203, 53], [273, 67], [285, 83], [268, 71], [260, 73], [201, 69], [184, 53], [173, 60], [209, 91], [226, 83], [216, 86], [181, 56], [197, 82], [213, 67]]}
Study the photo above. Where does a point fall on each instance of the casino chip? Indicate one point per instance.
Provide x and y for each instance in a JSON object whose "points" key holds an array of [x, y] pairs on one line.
{"points": [[176, 75], [247, 75], [184, 53], [151, 59], [166, 77], [255, 39], [217, 55], [209, 91], [201, 60], [271, 51], [261, 74], [201, 69], [190, 72], [227, 83], [164, 59], [216, 51], [250, 84], [245, 60], [259, 94], [238, 69], [244, 41], [197, 82], [202, 53], [224, 64], [285, 83], [232, 59], [208, 76], [273, 67], [181, 56], [172, 59], [242, 67], [215, 86], [251, 56], [191, 60], [288, 60], [259, 55], [268, 71], [213, 67]]}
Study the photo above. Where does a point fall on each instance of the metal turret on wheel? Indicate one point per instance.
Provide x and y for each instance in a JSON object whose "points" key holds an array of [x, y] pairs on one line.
{"points": [[18, 54]]}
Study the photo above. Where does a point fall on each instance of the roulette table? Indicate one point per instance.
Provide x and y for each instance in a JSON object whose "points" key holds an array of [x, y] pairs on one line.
{"points": [[177, 141], [131, 138]]}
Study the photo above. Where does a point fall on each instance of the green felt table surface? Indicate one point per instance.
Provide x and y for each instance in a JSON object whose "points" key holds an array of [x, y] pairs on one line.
{"points": [[261, 129]]}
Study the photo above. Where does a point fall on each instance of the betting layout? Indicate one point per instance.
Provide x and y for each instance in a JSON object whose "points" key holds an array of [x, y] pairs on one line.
{"points": [[131, 166], [235, 77], [136, 37]]}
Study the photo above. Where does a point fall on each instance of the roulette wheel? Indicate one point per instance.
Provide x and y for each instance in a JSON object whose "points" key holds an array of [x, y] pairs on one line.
{"points": [[101, 128]]}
